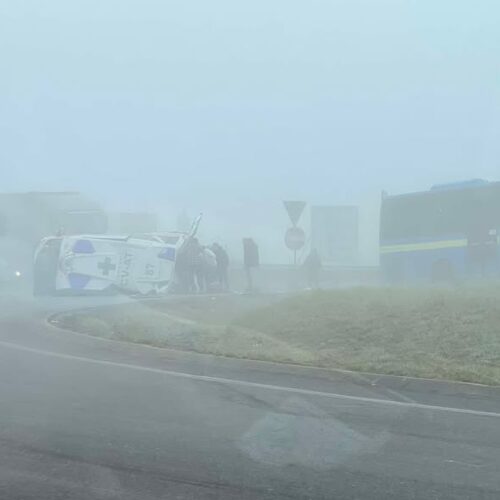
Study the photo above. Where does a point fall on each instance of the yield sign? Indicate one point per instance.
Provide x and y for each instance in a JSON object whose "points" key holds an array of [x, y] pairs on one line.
{"points": [[294, 209]]}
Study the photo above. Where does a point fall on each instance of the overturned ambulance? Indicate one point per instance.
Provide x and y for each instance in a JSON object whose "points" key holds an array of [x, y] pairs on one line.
{"points": [[134, 264]]}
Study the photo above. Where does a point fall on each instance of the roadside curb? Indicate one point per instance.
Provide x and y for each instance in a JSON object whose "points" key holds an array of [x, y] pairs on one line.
{"points": [[370, 378]]}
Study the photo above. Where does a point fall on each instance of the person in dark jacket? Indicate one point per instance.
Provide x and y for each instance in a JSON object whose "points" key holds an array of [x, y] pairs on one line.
{"points": [[194, 264], [184, 276], [222, 259], [312, 266], [209, 267]]}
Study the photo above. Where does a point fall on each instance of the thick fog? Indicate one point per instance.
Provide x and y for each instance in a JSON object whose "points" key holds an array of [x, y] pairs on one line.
{"points": [[230, 107]]}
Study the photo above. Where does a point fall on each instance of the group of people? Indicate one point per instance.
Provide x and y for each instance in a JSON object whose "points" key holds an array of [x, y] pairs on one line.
{"points": [[202, 268]]}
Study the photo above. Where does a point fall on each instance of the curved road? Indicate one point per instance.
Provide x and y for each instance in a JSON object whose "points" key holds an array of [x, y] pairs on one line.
{"points": [[83, 418]]}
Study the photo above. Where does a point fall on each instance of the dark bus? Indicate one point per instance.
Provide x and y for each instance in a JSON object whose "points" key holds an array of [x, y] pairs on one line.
{"points": [[449, 233]]}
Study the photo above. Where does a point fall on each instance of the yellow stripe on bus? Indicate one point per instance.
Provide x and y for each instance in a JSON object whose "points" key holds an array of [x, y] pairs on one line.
{"points": [[415, 247]]}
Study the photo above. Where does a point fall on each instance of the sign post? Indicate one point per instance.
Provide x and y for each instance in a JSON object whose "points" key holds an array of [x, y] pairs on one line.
{"points": [[295, 237]]}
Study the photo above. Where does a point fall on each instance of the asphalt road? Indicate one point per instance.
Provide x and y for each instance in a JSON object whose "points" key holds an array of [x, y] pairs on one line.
{"points": [[83, 418]]}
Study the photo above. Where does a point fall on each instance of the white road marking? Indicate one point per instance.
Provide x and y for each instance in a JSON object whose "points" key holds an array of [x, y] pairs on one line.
{"points": [[466, 464], [373, 383], [256, 385]]}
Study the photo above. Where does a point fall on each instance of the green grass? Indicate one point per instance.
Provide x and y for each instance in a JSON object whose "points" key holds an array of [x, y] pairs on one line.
{"points": [[434, 333], [437, 333]]}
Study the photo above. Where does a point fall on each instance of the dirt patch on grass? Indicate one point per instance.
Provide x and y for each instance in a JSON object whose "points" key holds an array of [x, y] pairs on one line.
{"points": [[435, 333]]}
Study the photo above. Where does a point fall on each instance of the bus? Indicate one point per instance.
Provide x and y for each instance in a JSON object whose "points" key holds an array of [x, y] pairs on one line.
{"points": [[447, 234]]}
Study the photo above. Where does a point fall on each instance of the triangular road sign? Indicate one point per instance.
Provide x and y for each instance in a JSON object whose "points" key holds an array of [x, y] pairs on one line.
{"points": [[294, 209]]}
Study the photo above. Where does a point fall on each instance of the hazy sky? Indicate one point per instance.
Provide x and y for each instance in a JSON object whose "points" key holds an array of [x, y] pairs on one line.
{"points": [[234, 105]]}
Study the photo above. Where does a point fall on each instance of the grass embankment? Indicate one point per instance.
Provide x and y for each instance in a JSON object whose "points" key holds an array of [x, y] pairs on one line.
{"points": [[435, 333]]}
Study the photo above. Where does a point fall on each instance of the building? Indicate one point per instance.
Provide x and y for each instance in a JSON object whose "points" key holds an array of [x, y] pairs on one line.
{"points": [[335, 234], [26, 218], [33, 215]]}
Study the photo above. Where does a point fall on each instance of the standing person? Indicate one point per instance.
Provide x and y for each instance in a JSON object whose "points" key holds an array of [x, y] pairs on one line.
{"points": [[209, 267], [195, 266], [199, 268], [222, 259], [251, 260], [182, 272], [313, 266]]}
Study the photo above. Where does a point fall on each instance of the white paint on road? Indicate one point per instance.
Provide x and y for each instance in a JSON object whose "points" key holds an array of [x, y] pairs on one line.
{"points": [[256, 385]]}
